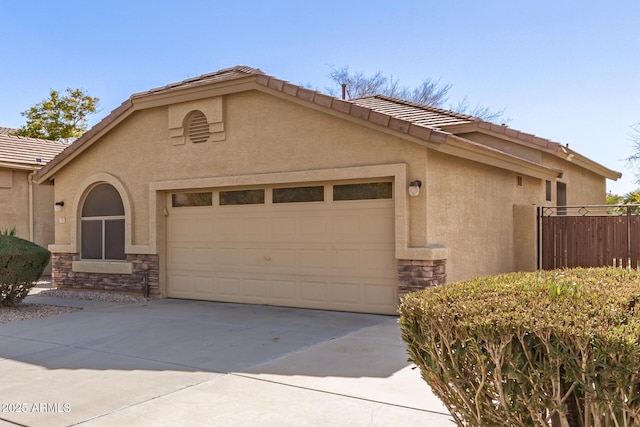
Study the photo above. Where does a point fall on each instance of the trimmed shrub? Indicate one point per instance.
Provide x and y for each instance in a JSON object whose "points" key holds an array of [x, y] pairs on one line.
{"points": [[557, 348], [21, 264]]}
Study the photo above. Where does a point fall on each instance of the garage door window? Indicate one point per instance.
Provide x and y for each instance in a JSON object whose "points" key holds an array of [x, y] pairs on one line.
{"points": [[242, 197], [298, 194], [181, 200], [102, 224], [368, 191]]}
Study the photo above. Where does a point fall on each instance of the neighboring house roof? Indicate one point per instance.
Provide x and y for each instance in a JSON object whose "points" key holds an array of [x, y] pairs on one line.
{"points": [[26, 153], [430, 126]]}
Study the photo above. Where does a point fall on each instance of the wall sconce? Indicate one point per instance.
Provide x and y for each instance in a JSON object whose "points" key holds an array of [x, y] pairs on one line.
{"points": [[58, 206], [414, 187]]}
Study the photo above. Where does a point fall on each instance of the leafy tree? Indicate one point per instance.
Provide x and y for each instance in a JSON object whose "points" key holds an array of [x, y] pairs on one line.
{"points": [[429, 92], [634, 159], [631, 198], [60, 117]]}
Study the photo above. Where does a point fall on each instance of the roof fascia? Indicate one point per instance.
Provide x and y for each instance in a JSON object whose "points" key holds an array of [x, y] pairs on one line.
{"points": [[466, 149], [566, 154], [146, 100], [506, 133], [532, 141], [9, 165]]}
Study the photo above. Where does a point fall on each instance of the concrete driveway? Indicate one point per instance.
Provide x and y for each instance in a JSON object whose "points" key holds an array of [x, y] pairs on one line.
{"points": [[191, 363]]}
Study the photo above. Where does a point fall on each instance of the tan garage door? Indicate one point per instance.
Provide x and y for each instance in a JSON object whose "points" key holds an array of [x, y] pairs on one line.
{"points": [[328, 246]]}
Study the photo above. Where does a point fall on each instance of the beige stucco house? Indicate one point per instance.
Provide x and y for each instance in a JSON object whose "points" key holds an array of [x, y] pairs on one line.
{"points": [[237, 186], [23, 205]]}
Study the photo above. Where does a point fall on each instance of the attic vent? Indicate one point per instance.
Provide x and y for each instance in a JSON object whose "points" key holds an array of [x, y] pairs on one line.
{"points": [[198, 127]]}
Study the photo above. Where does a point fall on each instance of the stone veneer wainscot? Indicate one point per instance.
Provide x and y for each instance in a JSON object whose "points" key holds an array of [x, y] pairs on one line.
{"points": [[414, 275], [63, 275]]}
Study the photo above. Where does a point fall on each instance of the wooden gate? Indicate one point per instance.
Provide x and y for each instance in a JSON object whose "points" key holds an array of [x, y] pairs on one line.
{"points": [[588, 236]]}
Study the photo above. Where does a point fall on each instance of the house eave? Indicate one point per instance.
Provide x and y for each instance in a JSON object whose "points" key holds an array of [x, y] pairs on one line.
{"points": [[19, 166], [461, 147]]}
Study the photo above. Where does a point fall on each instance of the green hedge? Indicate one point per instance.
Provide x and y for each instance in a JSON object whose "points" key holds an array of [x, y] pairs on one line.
{"points": [[21, 264], [548, 348]]}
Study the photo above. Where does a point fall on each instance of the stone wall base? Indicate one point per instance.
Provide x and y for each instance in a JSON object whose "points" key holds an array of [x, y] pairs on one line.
{"points": [[62, 275], [414, 275]]}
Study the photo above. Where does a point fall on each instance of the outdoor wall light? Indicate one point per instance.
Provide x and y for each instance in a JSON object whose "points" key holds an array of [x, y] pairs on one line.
{"points": [[414, 187], [57, 206]]}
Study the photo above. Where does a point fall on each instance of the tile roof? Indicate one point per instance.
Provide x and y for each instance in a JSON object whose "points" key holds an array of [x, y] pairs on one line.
{"points": [[205, 79], [27, 151], [429, 124], [415, 113]]}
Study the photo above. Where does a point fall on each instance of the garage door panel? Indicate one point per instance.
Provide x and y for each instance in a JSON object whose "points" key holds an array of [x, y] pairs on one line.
{"points": [[255, 289], [180, 256], [284, 290], [228, 286], [313, 291], [346, 293], [378, 262], [378, 296], [327, 255]]}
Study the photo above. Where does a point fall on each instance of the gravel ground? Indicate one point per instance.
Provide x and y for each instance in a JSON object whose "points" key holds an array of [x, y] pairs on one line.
{"points": [[26, 311], [91, 295], [31, 311]]}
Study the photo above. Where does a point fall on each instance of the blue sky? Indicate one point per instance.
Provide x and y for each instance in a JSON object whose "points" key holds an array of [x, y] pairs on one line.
{"points": [[563, 70]]}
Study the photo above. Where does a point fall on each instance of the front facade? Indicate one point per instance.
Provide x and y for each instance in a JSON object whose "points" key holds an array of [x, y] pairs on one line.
{"points": [[24, 206], [236, 186]]}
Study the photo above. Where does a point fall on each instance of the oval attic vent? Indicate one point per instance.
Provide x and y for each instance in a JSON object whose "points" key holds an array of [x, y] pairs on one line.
{"points": [[198, 127]]}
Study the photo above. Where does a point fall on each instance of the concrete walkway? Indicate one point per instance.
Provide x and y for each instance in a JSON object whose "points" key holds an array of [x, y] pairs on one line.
{"points": [[191, 363]]}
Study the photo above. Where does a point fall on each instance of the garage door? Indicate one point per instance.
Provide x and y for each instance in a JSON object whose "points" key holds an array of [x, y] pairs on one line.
{"points": [[326, 246]]}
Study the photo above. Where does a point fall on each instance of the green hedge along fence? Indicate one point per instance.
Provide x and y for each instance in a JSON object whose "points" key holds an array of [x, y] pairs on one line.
{"points": [[550, 348]]}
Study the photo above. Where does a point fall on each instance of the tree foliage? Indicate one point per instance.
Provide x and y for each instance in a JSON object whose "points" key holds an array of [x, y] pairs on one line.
{"points": [[431, 93], [631, 198], [60, 117], [634, 159]]}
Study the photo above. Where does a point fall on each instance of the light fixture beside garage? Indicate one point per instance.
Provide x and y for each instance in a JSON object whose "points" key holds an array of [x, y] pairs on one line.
{"points": [[58, 206], [414, 187]]}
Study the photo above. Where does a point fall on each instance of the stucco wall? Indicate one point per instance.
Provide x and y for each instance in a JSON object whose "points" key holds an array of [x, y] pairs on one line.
{"points": [[583, 187], [14, 197], [14, 208], [471, 212]]}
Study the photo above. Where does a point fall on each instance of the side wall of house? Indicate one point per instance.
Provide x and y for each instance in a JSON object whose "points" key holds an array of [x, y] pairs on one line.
{"points": [[14, 194], [471, 212], [14, 207]]}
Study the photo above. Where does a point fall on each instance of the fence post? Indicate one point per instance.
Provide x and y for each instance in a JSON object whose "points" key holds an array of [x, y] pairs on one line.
{"points": [[539, 237], [628, 237]]}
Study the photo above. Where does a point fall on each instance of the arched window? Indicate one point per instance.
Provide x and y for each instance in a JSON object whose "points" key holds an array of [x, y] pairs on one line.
{"points": [[103, 224]]}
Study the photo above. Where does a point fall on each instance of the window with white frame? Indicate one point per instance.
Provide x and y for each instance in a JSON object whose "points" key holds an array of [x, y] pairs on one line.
{"points": [[102, 224]]}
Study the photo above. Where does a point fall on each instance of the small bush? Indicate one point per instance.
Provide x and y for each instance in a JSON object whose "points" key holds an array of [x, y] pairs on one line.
{"points": [[548, 348], [5, 231], [21, 264]]}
